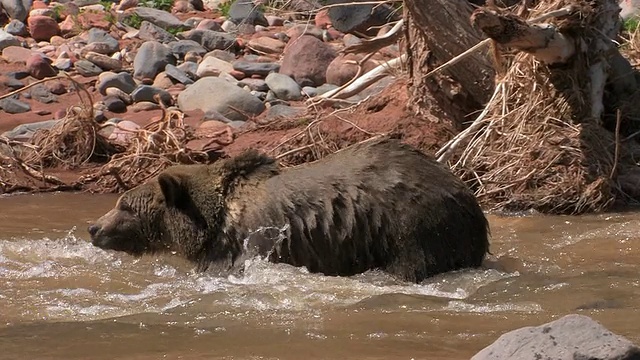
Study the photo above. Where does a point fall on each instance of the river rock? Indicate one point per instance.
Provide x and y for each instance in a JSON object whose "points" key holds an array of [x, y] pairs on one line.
{"points": [[340, 70], [212, 93], [87, 68], [152, 57], [209, 24], [190, 69], [210, 39], [7, 40], [304, 29], [212, 66], [267, 45], [359, 18], [283, 111], [11, 82], [25, 132], [17, 28], [253, 68], [160, 18], [151, 32], [103, 61], [568, 338], [42, 94], [254, 84], [99, 36], [283, 86], [40, 67], [178, 75], [97, 47], [16, 9], [307, 58], [14, 106], [114, 104], [147, 93], [180, 48], [122, 81], [126, 98], [245, 11], [42, 28], [16, 54]]}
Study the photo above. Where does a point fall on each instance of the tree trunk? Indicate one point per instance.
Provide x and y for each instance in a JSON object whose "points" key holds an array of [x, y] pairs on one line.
{"points": [[436, 32]]}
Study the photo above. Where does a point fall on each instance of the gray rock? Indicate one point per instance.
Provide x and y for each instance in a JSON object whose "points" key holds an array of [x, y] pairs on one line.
{"points": [[122, 81], [16, 9], [198, 5], [158, 17], [7, 40], [14, 106], [151, 32], [25, 132], [152, 57], [223, 55], [212, 93], [283, 111], [359, 18], [103, 61], [12, 82], [254, 84], [87, 68], [212, 66], [229, 26], [147, 93], [210, 39], [244, 11], [254, 68], [568, 338], [190, 69], [284, 87], [63, 64], [181, 47], [100, 36], [82, 3], [17, 28], [42, 94], [178, 75], [114, 104]]}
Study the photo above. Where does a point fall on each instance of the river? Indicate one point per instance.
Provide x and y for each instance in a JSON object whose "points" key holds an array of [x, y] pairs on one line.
{"points": [[62, 298]]}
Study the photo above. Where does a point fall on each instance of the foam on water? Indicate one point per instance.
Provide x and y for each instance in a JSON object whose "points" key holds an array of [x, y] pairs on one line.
{"points": [[70, 279]]}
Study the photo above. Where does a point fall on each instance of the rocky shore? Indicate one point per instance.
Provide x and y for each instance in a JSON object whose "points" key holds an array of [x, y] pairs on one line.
{"points": [[230, 67]]}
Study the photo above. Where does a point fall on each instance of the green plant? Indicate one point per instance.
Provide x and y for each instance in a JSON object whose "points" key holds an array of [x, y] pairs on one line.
{"points": [[224, 7], [134, 20], [175, 30], [631, 25], [57, 12], [165, 5], [108, 5]]}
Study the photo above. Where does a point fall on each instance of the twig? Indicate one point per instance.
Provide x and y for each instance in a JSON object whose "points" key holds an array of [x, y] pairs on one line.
{"points": [[617, 148]]}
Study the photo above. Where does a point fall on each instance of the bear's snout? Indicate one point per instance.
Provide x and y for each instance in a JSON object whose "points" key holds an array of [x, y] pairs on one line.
{"points": [[93, 230]]}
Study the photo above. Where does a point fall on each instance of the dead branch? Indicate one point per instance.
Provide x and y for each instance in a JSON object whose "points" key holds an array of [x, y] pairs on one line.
{"points": [[377, 43]]}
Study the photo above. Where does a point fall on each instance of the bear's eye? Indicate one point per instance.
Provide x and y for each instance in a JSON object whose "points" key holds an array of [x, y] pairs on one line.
{"points": [[124, 206]]}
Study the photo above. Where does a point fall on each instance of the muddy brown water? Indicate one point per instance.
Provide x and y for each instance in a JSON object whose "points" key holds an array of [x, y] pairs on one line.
{"points": [[61, 298]]}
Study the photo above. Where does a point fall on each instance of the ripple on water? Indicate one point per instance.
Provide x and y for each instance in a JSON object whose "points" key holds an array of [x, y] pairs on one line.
{"points": [[69, 279]]}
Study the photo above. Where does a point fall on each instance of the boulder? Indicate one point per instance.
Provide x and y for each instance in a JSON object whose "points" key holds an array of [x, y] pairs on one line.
{"points": [[568, 338]]}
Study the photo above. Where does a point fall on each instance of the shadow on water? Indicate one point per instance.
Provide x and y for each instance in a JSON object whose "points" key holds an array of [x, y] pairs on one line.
{"points": [[62, 298]]}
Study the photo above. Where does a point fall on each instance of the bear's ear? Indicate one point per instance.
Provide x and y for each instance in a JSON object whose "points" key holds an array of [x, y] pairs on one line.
{"points": [[174, 189]]}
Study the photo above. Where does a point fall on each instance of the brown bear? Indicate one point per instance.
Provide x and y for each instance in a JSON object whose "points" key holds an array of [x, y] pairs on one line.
{"points": [[380, 204]]}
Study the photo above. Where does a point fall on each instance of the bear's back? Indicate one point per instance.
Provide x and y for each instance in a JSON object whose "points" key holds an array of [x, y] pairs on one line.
{"points": [[375, 204]]}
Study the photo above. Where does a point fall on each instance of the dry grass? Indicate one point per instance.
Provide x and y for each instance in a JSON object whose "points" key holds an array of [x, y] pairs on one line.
{"points": [[537, 147]]}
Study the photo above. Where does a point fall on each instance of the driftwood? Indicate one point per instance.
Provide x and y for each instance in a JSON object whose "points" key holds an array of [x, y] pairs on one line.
{"points": [[540, 143]]}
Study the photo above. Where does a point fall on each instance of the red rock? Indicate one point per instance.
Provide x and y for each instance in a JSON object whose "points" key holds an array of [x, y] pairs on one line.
{"points": [[60, 114], [16, 54], [307, 58], [39, 66], [42, 28], [39, 5], [181, 6], [90, 20], [127, 4], [56, 87], [209, 24], [69, 27], [322, 19], [267, 45], [335, 34], [340, 71], [239, 75]]}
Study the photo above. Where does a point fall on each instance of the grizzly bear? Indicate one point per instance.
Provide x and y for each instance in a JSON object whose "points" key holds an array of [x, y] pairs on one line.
{"points": [[379, 204]]}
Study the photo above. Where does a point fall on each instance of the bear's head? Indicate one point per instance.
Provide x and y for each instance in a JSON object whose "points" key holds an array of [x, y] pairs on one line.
{"points": [[181, 210]]}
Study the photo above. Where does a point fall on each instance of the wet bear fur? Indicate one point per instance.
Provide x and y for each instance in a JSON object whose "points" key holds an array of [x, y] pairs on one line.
{"points": [[375, 205]]}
